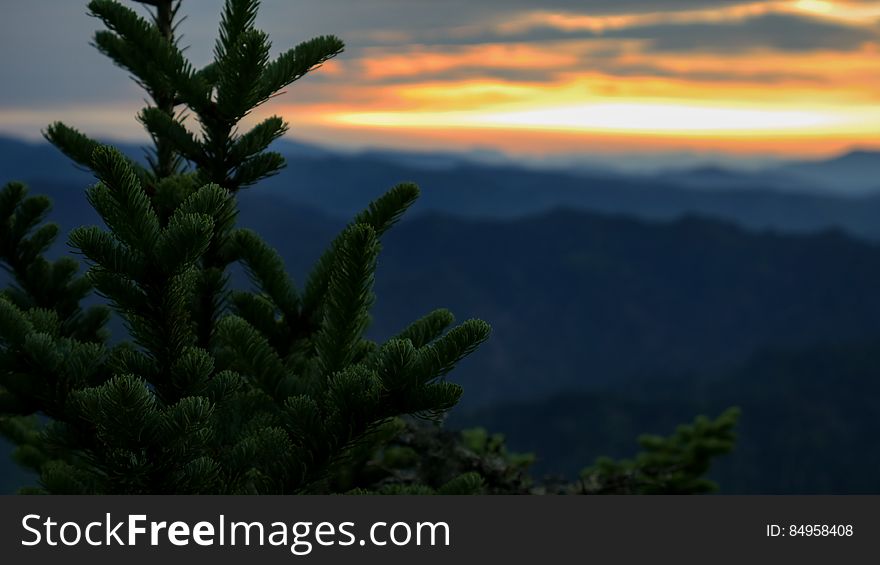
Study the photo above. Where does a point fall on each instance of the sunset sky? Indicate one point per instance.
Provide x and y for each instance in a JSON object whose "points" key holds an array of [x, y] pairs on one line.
{"points": [[551, 77]]}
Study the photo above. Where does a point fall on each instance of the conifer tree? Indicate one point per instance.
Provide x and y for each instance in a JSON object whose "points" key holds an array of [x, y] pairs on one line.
{"points": [[217, 391], [271, 389]]}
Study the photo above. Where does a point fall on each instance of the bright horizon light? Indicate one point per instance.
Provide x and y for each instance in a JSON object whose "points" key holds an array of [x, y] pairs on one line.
{"points": [[609, 117], [659, 118], [818, 6]]}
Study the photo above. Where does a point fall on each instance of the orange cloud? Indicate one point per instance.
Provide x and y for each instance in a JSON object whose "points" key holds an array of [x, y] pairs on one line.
{"points": [[568, 21], [421, 60], [848, 12]]}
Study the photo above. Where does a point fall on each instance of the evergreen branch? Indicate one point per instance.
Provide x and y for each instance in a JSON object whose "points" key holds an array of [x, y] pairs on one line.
{"points": [[260, 313], [434, 399], [123, 411], [386, 210], [468, 483], [266, 269], [211, 283], [62, 273], [25, 432], [44, 321], [89, 324], [14, 325], [61, 477], [150, 45], [254, 356], [349, 299], [296, 62], [38, 243], [83, 364], [126, 296], [42, 350], [145, 38], [355, 397], [125, 359], [102, 249], [395, 363], [210, 297], [223, 387], [676, 464], [79, 148], [29, 213], [208, 75], [127, 56], [238, 74], [380, 215], [257, 168], [42, 284], [304, 422], [162, 158], [11, 196], [440, 357], [20, 246], [183, 241], [165, 127], [122, 202], [215, 202], [202, 475], [428, 328], [170, 192], [166, 328], [402, 369], [264, 461], [238, 16], [257, 139], [187, 427]]}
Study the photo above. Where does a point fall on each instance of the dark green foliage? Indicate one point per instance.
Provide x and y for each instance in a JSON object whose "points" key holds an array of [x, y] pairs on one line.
{"points": [[676, 464], [216, 390], [380, 216], [41, 284], [423, 455], [349, 298]]}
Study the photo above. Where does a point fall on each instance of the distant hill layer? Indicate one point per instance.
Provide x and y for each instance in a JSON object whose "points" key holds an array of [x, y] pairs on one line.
{"points": [[338, 186], [797, 198], [579, 299]]}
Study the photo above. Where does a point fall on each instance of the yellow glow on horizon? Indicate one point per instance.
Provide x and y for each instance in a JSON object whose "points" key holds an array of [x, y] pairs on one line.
{"points": [[852, 12], [620, 117], [543, 142], [818, 6], [648, 118]]}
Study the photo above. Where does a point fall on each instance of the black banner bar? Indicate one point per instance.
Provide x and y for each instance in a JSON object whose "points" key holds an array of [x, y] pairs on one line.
{"points": [[423, 530]]}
